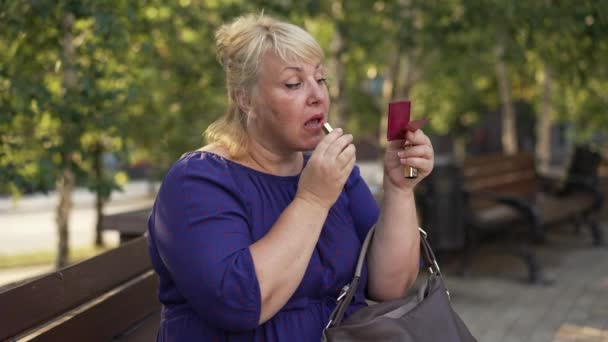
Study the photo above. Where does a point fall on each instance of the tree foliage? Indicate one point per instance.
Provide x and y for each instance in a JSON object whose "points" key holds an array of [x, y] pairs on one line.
{"points": [[142, 81]]}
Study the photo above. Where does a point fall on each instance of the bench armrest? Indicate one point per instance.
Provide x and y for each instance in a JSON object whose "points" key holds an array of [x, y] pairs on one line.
{"points": [[517, 202], [551, 184], [521, 204], [564, 187]]}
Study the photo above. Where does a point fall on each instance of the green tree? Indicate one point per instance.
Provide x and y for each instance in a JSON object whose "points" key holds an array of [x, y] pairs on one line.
{"points": [[63, 91]]}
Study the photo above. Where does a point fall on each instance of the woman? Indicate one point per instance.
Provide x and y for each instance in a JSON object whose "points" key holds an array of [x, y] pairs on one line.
{"points": [[251, 238]]}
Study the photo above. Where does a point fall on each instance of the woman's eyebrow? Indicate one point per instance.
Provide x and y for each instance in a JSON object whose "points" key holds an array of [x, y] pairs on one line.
{"points": [[299, 69]]}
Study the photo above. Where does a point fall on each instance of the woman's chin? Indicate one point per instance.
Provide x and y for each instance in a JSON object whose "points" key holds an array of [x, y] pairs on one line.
{"points": [[311, 144]]}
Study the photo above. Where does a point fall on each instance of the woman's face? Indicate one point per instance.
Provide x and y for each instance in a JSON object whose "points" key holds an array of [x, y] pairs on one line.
{"points": [[290, 103]]}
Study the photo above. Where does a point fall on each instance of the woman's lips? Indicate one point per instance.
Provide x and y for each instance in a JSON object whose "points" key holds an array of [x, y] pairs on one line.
{"points": [[315, 122]]}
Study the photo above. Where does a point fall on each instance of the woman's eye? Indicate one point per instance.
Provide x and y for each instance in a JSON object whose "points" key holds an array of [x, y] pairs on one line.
{"points": [[293, 85], [322, 81]]}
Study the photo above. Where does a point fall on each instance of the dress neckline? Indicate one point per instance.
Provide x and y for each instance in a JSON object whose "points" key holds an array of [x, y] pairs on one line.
{"points": [[252, 170]]}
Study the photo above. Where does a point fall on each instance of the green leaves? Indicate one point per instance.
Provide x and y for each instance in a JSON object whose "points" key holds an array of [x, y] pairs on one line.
{"points": [[147, 79]]}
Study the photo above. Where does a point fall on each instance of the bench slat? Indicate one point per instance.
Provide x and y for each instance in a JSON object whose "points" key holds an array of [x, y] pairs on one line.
{"points": [[523, 182], [144, 331], [515, 174], [517, 160], [131, 222], [110, 317], [496, 165], [35, 302]]}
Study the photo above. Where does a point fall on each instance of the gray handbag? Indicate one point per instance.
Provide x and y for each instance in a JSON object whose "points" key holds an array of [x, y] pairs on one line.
{"points": [[426, 316]]}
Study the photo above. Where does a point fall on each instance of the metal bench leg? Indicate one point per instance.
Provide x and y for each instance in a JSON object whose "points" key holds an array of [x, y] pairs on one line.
{"points": [[578, 222], [471, 247], [537, 232], [596, 233], [535, 272], [591, 219]]}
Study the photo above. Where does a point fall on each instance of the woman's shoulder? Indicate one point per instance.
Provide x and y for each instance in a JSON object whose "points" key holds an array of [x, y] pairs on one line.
{"points": [[215, 149], [205, 162]]}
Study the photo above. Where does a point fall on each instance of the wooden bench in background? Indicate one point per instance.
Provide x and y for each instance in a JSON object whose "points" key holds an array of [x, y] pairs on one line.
{"points": [[454, 224], [129, 225], [506, 191], [110, 297], [499, 181]]}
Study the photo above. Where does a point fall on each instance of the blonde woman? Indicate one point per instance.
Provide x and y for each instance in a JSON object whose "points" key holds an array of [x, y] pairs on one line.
{"points": [[252, 238]]}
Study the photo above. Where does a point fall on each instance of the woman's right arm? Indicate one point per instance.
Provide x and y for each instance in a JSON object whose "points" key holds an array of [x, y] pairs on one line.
{"points": [[283, 254]]}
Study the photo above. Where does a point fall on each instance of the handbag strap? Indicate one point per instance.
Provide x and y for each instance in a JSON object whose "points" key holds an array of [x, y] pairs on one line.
{"points": [[349, 290]]}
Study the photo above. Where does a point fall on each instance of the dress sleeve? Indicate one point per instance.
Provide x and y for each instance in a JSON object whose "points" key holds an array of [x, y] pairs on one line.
{"points": [[363, 206], [203, 240]]}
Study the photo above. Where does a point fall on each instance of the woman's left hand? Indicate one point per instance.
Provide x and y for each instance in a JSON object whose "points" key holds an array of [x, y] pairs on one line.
{"points": [[415, 151]]}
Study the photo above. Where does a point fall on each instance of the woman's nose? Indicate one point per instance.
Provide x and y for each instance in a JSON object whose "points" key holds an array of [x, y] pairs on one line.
{"points": [[317, 93]]}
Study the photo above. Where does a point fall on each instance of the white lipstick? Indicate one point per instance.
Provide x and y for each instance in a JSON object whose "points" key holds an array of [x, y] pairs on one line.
{"points": [[327, 128]]}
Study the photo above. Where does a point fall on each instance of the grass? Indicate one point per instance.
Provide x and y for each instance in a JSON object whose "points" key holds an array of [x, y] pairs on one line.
{"points": [[47, 257]]}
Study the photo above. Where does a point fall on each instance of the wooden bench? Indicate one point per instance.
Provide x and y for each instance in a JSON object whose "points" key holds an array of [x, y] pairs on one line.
{"points": [[447, 213], [506, 191], [110, 297], [129, 225]]}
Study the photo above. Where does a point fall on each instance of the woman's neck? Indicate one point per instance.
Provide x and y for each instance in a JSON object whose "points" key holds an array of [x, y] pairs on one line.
{"points": [[276, 162]]}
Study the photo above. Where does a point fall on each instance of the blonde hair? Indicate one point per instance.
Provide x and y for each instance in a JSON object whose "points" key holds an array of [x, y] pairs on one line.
{"points": [[241, 45]]}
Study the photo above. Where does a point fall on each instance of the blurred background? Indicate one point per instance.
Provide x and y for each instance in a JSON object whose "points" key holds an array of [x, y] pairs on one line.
{"points": [[99, 97]]}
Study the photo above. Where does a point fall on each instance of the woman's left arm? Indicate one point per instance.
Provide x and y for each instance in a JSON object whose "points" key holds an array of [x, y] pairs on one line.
{"points": [[394, 257]]}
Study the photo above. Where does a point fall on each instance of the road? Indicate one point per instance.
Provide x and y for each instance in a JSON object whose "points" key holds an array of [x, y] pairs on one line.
{"points": [[29, 224]]}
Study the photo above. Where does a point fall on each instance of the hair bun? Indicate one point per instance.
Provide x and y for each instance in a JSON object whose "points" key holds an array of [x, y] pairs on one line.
{"points": [[229, 38], [222, 44]]}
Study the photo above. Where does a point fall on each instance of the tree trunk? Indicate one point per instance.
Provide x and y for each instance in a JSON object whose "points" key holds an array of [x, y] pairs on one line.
{"points": [[509, 132], [99, 195], [460, 149], [389, 88], [337, 89], [65, 186], [412, 74], [65, 181], [543, 125]]}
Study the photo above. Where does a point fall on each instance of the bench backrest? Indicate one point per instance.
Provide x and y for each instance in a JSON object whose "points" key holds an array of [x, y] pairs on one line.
{"points": [[584, 165], [109, 296], [130, 222], [502, 174]]}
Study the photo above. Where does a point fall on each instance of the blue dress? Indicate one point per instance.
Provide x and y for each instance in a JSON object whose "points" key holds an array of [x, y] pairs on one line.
{"points": [[208, 211]]}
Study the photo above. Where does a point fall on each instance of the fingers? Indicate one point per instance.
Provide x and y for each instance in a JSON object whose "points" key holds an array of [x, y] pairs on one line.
{"points": [[422, 164], [328, 168], [418, 138], [394, 145], [343, 152], [328, 141], [419, 151], [338, 145], [347, 158]]}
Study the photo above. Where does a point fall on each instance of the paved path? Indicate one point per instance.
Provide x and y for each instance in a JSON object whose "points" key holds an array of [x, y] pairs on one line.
{"points": [[499, 307]]}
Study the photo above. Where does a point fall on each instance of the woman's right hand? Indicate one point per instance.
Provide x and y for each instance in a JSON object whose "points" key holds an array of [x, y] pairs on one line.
{"points": [[327, 170]]}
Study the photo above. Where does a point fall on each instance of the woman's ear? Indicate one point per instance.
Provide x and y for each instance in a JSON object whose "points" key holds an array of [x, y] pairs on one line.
{"points": [[243, 100]]}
